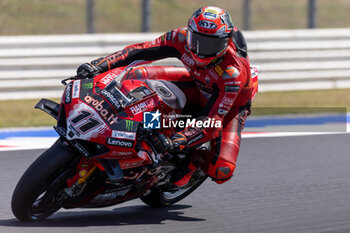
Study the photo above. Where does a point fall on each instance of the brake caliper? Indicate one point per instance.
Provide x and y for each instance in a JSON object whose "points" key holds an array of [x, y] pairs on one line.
{"points": [[84, 170]]}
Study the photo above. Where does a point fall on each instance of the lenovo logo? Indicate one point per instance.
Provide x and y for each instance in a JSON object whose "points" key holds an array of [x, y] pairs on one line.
{"points": [[119, 142]]}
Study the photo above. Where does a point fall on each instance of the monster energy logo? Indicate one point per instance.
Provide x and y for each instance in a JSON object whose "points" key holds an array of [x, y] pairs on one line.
{"points": [[87, 85], [129, 125]]}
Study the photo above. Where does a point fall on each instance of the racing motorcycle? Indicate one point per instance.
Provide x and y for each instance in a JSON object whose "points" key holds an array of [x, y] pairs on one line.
{"points": [[104, 155]]}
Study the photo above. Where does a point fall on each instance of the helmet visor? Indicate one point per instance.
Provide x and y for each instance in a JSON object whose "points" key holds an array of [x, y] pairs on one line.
{"points": [[204, 45]]}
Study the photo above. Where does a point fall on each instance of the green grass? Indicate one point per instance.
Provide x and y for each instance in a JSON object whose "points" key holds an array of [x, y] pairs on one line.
{"points": [[22, 113], [329, 101], [23, 17], [317, 98]]}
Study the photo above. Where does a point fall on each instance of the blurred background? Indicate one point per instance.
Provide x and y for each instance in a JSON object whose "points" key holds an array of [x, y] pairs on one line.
{"points": [[302, 47], [24, 17]]}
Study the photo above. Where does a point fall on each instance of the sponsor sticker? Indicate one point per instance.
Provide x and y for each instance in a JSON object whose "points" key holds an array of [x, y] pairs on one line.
{"points": [[129, 125], [219, 70], [213, 10], [87, 85], [111, 98], [125, 165], [80, 148], [110, 117], [68, 94], [227, 101], [232, 88], [76, 89], [207, 24], [143, 106], [222, 111], [190, 132], [253, 71], [123, 154], [224, 106], [195, 138], [119, 142], [210, 15], [187, 59], [213, 74], [233, 83], [231, 72], [123, 135], [108, 78]]}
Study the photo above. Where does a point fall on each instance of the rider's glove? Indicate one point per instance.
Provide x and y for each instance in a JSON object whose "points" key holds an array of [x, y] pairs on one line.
{"points": [[88, 70], [161, 143], [95, 67], [179, 142], [174, 144]]}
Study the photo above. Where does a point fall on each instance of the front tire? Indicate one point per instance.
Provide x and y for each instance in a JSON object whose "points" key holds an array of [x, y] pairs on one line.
{"points": [[44, 178], [161, 198]]}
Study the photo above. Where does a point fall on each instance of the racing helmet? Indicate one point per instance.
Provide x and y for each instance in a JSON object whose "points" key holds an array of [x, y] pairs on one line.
{"points": [[208, 33]]}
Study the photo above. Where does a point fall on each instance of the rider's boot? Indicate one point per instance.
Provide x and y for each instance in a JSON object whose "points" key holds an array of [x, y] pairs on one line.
{"points": [[183, 175]]}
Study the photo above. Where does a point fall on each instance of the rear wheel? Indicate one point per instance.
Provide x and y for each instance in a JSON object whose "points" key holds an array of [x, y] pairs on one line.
{"points": [[158, 197], [39, 192]]}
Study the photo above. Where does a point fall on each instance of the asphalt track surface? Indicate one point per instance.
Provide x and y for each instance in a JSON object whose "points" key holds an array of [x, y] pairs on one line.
{"points": [[282, 185]]}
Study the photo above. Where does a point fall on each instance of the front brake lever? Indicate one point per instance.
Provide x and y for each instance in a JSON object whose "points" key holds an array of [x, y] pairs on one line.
{"points": [[70, 78]]}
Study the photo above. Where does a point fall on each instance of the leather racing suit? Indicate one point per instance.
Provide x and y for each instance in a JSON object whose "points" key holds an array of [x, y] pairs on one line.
{"points": [[223, 90]]}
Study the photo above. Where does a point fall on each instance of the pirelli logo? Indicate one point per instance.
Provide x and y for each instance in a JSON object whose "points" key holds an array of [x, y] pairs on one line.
{"points": [[219, 70]]}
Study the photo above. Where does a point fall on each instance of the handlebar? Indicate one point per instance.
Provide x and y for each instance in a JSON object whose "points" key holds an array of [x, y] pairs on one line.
{"points": [[70, 78]]}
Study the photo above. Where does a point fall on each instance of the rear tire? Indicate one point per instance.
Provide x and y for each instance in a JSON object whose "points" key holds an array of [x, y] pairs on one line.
{"points": [[160, 198], [45, 175]]}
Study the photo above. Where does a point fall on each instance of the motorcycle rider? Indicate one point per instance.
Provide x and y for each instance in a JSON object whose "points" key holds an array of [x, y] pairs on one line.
{"points": [[214, 52]]}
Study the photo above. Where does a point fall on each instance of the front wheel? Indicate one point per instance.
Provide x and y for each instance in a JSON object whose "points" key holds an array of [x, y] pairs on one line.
{"points": [[160, 198], [39, 192]]}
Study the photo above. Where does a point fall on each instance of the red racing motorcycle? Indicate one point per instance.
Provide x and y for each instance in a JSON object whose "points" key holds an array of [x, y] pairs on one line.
{"points": [[104, 155]]}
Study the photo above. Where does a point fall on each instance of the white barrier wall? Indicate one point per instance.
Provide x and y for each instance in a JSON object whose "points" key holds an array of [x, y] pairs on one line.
{"points": [[33, 66]]}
